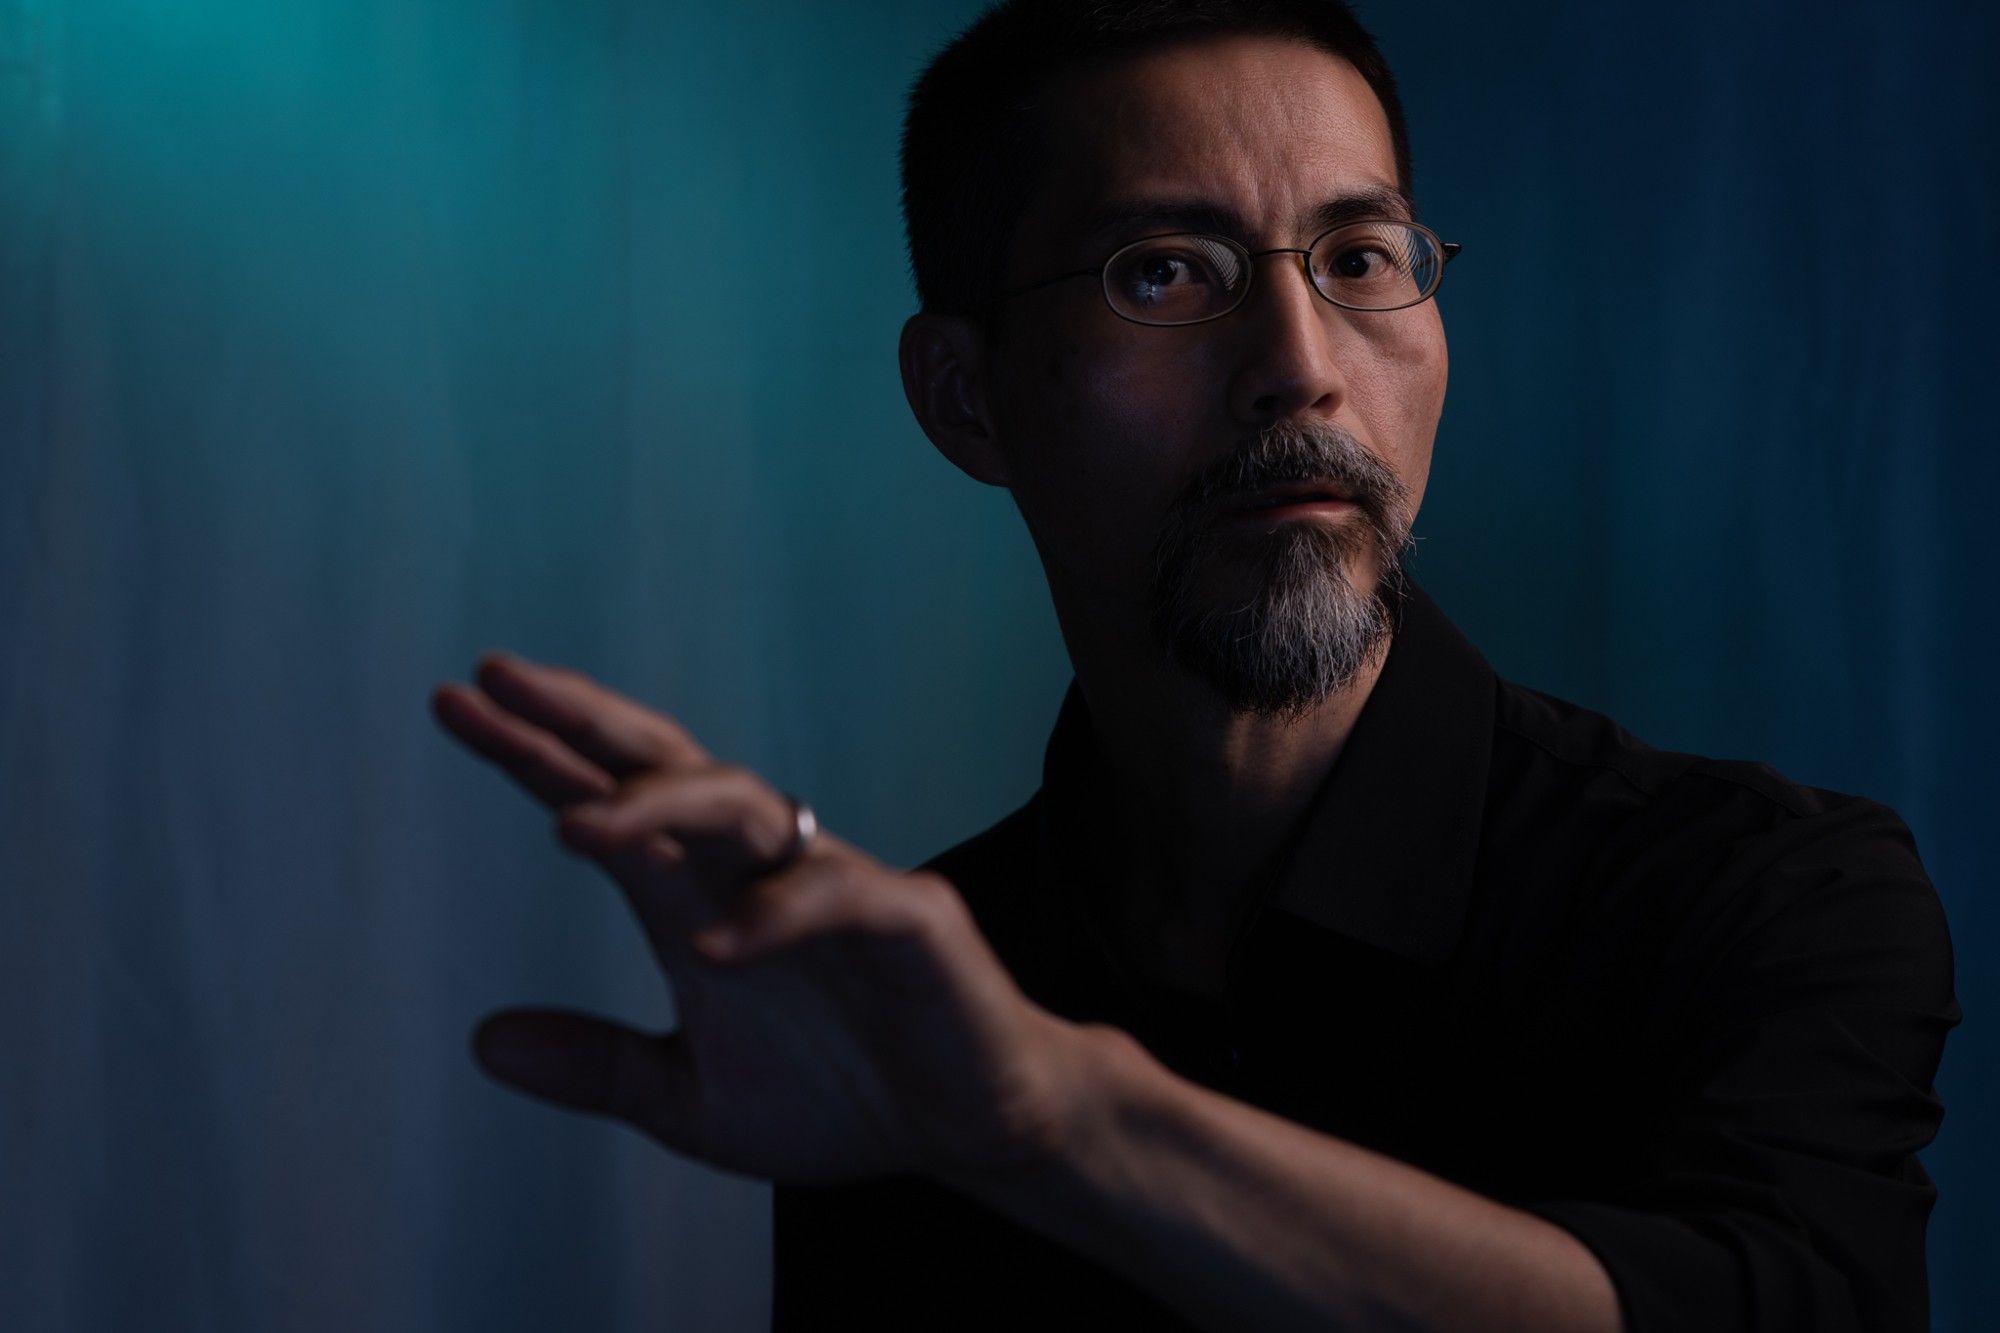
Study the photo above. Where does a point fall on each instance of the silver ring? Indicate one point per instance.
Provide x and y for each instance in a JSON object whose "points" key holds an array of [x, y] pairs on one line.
{"points": [[804, 826]]}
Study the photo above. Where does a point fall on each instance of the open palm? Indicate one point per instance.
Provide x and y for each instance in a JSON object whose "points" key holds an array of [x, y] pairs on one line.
{"points": [[861, 1025]]}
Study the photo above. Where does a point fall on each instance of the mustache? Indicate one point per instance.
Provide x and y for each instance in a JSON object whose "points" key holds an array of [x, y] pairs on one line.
{"points": [[1291, 452]]}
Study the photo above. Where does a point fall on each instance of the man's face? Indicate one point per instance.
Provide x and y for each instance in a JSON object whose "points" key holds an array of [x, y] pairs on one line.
{"points": [[1123, 440]]}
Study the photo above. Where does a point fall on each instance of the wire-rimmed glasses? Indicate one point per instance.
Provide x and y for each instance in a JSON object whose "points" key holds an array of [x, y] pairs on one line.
{"points": [[1193, 277]]}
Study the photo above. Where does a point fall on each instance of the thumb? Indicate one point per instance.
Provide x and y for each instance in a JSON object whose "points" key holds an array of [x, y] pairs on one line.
{"points": [[591, 1064]]}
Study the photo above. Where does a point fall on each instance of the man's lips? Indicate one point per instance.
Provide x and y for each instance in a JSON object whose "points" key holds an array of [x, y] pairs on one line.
{"points": [[1292, 495]]}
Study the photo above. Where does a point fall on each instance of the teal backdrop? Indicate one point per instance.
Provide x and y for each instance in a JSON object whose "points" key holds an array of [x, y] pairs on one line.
{"points": [[341, 340]]}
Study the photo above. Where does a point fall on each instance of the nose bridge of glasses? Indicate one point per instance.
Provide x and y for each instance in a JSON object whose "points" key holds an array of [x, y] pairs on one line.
{"points": [[1304, 265]]}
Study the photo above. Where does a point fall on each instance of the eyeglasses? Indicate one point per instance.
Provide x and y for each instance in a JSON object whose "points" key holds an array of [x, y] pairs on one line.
{"points": [[1192, 277]]}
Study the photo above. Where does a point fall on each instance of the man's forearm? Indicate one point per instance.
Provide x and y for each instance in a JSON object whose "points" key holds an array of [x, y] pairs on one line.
{"points": [[1246, 1220]]}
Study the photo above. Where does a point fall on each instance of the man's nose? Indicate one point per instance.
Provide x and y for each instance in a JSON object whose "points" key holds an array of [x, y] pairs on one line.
{"points": [[1285, 336]]}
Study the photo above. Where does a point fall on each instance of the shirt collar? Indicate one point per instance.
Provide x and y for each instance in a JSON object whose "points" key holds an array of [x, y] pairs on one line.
{"points": [[1386, 851]]}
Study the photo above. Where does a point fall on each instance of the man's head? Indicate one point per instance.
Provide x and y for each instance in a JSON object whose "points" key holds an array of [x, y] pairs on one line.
{"points": [[1119, 441]]}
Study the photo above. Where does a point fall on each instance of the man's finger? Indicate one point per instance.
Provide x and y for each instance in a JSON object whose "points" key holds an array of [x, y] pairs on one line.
{"points": [[551, 771], [592, 1064], [725, 801], [812, 900], [612, 731]]}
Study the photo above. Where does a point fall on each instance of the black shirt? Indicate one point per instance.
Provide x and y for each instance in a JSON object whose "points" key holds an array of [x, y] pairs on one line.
{"points": [[1683, 1007]]}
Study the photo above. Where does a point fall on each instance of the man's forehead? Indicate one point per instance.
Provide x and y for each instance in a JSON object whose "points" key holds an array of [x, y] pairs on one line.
{"points": [[1259, 135]]}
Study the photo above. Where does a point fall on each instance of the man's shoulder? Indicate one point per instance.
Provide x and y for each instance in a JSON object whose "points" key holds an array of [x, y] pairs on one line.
{"points": [[1706, 857], [1575, 746]]}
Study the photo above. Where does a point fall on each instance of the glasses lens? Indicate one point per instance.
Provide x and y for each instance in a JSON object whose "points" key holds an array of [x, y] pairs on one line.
{"points": [[1175, 279], [1377, 265]]}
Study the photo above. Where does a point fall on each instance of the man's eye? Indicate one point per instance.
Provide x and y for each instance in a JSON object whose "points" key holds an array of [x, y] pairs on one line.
{"points": [[1361, 261], [1150, 274], [1167, 265]]}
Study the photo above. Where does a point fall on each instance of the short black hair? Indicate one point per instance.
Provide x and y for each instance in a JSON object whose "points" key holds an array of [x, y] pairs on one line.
{"points": [[970, 163]]}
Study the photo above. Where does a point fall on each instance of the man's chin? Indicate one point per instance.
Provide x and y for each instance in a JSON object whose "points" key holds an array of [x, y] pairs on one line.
{"points": [[1242, 567]]}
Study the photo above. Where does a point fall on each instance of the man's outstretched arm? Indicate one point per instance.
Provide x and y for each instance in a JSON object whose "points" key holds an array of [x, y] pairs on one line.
{"points": [[862, 1027], [1244, 1219]]}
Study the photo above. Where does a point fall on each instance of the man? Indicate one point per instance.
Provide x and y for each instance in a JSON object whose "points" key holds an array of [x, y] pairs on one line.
{"points": [[1327, 981]]}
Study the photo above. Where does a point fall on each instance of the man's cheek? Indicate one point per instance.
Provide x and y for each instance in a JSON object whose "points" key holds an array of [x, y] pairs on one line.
{"points": [[1128, 371]]}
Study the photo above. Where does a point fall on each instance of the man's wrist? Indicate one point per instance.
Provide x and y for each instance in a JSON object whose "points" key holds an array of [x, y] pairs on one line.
{"points": [[1095, 1079]]}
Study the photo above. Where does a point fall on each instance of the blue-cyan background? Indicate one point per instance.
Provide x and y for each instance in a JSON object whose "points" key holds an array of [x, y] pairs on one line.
{"points": [[343, 339]]}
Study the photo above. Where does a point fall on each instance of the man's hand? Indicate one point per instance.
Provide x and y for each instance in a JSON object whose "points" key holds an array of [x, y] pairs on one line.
{"points": [[860, 1026]]}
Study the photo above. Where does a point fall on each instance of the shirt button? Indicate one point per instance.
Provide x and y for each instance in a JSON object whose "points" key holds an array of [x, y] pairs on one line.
{"points": [[1235, 1056]]}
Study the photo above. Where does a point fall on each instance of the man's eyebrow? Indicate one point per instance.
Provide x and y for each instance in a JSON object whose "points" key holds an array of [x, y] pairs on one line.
{"points": [[1373, 201], [1135, 216]]}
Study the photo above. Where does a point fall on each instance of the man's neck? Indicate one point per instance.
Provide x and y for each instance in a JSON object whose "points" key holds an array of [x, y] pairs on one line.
{"points": [[1203, 799]]}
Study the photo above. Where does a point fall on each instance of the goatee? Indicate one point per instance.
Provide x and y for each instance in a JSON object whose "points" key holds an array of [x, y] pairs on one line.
{"points": [[1306, 633]]}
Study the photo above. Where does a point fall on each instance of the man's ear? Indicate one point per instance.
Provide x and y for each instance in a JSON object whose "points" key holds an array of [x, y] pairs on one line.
{"points": [[944, 378]]}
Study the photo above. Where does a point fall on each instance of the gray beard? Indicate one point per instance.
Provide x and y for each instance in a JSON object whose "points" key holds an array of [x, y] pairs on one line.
{"points": [[1305, 634]]}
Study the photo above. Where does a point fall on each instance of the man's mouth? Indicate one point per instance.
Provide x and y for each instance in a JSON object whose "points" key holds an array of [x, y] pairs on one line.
{"points": [[1293, 493]]}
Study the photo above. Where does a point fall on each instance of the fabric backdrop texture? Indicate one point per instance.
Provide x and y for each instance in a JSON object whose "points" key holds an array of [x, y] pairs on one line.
{"points": [[342, 340]]}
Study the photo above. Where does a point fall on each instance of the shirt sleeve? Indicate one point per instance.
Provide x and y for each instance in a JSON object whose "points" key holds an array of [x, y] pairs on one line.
{"points": [[1782, 1188]]}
